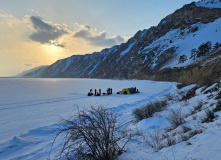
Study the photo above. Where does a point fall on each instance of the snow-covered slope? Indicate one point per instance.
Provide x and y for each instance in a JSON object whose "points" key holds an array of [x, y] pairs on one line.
{"points": [[184, 41], [34, 72], [197, 137], [209, 3]]}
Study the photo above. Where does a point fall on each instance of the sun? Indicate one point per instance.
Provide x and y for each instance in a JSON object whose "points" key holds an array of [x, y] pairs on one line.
{"points": [[52, 46]]}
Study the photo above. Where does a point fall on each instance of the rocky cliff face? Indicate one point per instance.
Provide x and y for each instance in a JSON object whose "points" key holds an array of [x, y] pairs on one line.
{"points": [[150, 51]]}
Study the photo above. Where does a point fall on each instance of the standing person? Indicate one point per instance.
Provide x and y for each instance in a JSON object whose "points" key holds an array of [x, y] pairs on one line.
{"points": [[91, 91], [100, 91], [95, 92], [108, 91], [111, 91]]}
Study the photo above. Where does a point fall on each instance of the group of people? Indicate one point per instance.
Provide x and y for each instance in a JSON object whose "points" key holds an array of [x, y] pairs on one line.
{"points": [[98, 93], [95, 92]]}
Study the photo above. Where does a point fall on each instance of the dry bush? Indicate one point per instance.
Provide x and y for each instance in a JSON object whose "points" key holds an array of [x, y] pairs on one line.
{"points": [[176, 118], [191, 93], [186, 129], [218, 95], [158, 141], [92, 135], [182, 137], [213, 89], [181, 85], [170, 141], [195, 132], [218, 107], [187, 134], [155, 140], [209, 116], [149, 109], [199, 106], [169, 96]]}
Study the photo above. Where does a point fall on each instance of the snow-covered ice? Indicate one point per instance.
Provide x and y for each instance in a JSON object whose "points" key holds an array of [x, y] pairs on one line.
{"points": [[31, 108]]}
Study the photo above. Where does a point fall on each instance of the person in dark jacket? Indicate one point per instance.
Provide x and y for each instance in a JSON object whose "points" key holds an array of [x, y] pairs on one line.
{"points": [[108, 91]]}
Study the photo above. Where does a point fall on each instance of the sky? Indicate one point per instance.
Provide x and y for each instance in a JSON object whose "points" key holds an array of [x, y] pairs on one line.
{"points": [[39, 32]]}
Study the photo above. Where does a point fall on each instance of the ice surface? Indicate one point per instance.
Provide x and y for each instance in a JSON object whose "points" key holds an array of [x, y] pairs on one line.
{"points": [[31, 108]]}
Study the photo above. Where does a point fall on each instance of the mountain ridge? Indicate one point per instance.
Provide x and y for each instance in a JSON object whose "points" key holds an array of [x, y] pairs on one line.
{"points": [[148, 52]]}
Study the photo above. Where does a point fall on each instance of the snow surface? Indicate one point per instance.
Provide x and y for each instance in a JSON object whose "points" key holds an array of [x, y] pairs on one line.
{"points": [[209, 3], [30, 111], [31, 108]]}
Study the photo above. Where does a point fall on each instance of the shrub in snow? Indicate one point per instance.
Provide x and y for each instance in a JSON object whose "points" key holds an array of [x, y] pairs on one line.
{"points": [[199, 106], [217, 45], [158, 140], [218, 95], [187, 134], [93, 135], [209, 116], [194, 29], [155, 139], [149, 109], [204, 49], [170, 141], [183, 137], [182, 59], [185, 129], [169, 96], [191, 93], [176, 118], [193, 53], [181, 85], [218, 107], [195, 132]]}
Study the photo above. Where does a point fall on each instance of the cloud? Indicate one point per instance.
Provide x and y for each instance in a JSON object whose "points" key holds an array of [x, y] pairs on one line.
{"points": [[28, 65], [60, 45], [57, 44], [27, 41], [98, 39], [18, 52], [45, 32], [87, 26]]}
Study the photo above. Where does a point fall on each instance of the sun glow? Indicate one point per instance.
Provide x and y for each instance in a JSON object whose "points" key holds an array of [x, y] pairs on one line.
{"points": [[52, 46]]}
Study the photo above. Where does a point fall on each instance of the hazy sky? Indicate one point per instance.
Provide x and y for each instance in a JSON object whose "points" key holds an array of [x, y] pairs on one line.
{"points": [[39, 32]]}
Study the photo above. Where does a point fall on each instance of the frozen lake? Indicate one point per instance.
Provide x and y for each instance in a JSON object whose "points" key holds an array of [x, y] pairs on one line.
{"points": [[29, 104]]}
